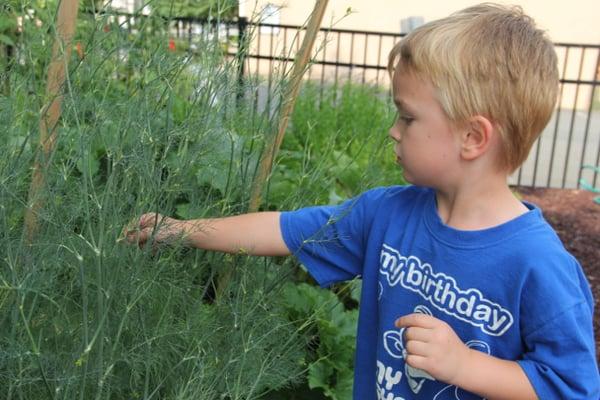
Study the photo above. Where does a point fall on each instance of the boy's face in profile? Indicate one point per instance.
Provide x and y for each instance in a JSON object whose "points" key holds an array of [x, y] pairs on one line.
{"points": [[427, 144]]}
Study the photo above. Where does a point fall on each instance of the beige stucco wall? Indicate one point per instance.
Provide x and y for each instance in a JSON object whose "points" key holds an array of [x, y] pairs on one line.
{"points": [[565, 21]]}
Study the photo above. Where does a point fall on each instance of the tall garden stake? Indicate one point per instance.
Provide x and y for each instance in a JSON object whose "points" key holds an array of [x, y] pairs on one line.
{"points": [[274, 141], [50, 114], [289, 99]]}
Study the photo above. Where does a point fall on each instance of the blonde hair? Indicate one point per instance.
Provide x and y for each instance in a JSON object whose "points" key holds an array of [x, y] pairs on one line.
{"points": [[488, 60]]}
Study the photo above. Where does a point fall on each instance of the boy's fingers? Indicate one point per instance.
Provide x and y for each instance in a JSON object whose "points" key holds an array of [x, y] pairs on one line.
{"points": [[139, 236], [140, 230], [417, 333], [142, 236], [415, 347], [417, 361], [148, 220], [132, 235], [416, 319], [129, 232]]}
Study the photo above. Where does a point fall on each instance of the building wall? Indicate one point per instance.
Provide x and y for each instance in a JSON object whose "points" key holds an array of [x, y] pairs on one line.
{"points": [[572, 21], [121, 5]]}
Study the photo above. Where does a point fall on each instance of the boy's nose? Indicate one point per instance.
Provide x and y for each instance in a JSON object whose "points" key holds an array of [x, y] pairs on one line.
{"points": [[394, 133]]}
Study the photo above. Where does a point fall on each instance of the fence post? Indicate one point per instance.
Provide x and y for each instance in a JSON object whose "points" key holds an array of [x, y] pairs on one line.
{"points": [[241, 55], [7, 52], [8, 33]]}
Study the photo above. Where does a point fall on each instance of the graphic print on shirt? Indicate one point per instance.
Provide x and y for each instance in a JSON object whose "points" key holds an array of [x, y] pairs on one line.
{"points": [[394, 345], [443, 292]]}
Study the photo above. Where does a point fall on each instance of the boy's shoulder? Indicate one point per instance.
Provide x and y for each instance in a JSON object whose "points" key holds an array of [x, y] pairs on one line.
{"points": [[546, 266], [537, 248], [395, 194], [386, 203], [539, 241]]}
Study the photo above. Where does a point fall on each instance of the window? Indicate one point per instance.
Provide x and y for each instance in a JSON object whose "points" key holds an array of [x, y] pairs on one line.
{"points": [[271, 14], [410, 23]]}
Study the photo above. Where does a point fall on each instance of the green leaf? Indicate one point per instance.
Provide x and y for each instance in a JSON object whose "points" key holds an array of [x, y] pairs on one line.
{"points": [[88, 164], [343, 385], [334, 197], [8, 23], [180, 109], [221, 155], [6, 40], [294, 300], [346, 322], [215, 175], [184, 211], [355, 289], [319, 374]]}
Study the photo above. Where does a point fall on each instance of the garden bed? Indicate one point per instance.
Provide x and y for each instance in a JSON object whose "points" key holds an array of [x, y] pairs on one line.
{"points": [[576, 219]]}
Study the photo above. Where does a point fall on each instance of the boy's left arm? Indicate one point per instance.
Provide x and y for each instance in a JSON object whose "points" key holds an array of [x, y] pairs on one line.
{"points": [[433, 346]]}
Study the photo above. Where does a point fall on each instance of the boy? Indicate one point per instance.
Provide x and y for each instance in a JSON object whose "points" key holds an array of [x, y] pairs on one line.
{"points": [[467, 292]]}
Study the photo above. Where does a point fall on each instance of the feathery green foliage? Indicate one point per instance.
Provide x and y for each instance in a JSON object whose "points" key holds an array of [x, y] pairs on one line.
{"points": [[83, 316]]}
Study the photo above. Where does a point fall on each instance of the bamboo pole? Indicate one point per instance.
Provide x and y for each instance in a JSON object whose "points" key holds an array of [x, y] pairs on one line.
{"points": [[274, 142], [50, 114], [289, 100]]}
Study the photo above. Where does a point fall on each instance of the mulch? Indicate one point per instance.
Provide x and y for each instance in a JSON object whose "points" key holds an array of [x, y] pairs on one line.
{"points": [[576, 219]]}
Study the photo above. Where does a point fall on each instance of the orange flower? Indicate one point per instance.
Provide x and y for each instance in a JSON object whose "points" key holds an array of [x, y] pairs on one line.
{"points": [[79, 49]]}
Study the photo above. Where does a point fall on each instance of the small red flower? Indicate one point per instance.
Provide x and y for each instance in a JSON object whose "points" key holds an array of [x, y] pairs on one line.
{"points": [[171, 45], [79, 49]]}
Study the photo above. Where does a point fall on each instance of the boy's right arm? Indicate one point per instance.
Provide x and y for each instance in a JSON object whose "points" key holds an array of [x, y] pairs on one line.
{"points": [[256, 233]]}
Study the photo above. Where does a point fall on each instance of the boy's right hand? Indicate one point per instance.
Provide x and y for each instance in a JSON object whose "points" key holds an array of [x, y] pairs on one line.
{"points": [[156, 227]]}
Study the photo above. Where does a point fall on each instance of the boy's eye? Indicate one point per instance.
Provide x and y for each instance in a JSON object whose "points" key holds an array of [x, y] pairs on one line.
{"points": [[406, 119], [395, 118]]}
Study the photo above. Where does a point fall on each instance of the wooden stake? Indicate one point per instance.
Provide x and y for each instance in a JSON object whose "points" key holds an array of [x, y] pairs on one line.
{"points": [[272, 146], [61, 52], [289, 100]]}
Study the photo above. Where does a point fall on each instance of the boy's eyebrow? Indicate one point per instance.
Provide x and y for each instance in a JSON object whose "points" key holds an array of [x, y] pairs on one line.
{"points": [[401, 104]]}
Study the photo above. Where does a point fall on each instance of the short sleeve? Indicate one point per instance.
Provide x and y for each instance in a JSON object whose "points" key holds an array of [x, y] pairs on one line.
{"points": [[560, 358], [330, 241], [561, 362]]}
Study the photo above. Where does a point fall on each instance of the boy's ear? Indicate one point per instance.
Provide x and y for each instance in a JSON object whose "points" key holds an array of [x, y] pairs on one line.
{"points": [[477, 136]]}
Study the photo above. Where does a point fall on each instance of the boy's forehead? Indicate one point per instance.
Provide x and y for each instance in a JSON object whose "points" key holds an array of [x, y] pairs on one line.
{"points": [[403, 74], [400, 103], [405, 106], [407, 88]]}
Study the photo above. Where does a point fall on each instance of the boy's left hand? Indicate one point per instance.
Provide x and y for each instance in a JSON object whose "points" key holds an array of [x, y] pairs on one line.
{"points": [[433, 346]]}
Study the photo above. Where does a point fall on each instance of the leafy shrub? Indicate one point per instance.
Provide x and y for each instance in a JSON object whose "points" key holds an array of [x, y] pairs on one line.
{"points": [[337, 145]]}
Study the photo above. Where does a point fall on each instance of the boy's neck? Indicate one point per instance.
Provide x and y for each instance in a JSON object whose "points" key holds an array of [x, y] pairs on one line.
{"points": [[479, 204]]}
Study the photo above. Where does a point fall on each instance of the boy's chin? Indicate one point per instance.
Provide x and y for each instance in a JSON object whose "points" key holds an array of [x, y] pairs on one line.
{"points": [[407, 176]]}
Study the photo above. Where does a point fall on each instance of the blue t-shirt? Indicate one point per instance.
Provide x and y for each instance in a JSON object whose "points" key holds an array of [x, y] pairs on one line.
{"points": [[511, 291]]}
